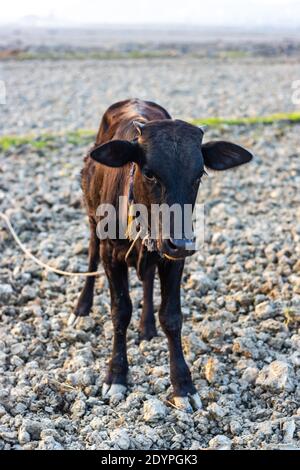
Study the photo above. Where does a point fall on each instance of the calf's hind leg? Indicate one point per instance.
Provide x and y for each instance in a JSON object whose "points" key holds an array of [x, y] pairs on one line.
{"points": [[121, 310]]}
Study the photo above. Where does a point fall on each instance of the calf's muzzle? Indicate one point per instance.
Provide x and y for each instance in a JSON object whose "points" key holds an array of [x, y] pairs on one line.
{"points": [[174, 248]]}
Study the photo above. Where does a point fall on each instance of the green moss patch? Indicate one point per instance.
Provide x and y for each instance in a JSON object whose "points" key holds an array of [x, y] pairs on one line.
{"points": [[290, 118], [86, 137]]}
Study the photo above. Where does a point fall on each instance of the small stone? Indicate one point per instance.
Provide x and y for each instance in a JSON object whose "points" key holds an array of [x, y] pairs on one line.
{"points": [[216, 410], [195, 446], [235, 428], [244, 299], [117, 398], [266, 427], [49, 433], [108, 330], [211, 330], [9, 436], [33, 428], [97, 424], [220, 442], [210, 369], [49, 443], [28, 293], [201, 282], [265, 310], [295, 340], [154, 410], [85, 323], [159, 371], [84, 377], [250, 374], [120, 438], [79, 248], [2, 411], [273, 326], [5, 292], [78, 409], [23, 436], [275, 377], [288, 428], [295, 358], [231, 306], [245, 347], [283, 447]]}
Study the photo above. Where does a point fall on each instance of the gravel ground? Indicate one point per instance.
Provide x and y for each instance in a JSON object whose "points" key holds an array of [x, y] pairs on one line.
{"points": [[240, 294], [74, 94]]}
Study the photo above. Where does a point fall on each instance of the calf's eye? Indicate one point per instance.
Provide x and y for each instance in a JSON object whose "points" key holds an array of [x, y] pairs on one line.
{"points": [[149, 175]]}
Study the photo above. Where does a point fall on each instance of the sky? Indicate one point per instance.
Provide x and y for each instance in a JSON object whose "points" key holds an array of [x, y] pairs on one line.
{"points": [[203, 12]]}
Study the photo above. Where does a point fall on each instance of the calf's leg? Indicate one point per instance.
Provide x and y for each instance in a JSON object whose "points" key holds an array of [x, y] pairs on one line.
{"points": [[184, 393], [147, 328], [121, 309], [85, 301]]}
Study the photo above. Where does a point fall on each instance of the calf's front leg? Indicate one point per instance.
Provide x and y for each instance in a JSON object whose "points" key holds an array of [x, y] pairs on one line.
{"points": [[121, 310], [185, 396]]}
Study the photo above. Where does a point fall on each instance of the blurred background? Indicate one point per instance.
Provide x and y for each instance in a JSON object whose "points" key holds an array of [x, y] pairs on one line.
{"points": [[64, 62]]}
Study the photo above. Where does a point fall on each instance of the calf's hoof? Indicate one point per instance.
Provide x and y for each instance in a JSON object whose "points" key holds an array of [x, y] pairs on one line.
{"points": [[72, 320], [188, 404], [83, 308], [109, 391], [80, 323], [147, 333]]}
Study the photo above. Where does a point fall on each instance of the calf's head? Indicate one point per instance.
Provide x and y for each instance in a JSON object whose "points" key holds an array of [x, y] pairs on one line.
{"points": [[170, 160]]}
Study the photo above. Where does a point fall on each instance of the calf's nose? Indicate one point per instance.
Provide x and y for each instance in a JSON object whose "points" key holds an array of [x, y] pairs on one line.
{"points": [[175, 248], [181, 243]]}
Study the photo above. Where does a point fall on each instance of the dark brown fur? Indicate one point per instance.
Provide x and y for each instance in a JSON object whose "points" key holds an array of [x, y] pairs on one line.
{"points": [[174, 152]]}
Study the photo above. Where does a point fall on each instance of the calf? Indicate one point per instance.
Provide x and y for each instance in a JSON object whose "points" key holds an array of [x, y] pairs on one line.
{"points": [[141, 152]]}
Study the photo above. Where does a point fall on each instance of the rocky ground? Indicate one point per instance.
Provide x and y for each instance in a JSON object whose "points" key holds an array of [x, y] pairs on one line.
{"points": [[56, 96], [240, 294]]}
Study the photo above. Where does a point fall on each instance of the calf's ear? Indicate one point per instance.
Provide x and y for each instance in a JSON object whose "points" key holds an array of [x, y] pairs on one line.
{"points": [[219, 155], [116, 153]]}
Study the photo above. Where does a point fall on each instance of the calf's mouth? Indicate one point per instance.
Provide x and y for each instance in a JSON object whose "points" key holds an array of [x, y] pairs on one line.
{"points": [[176, 249]]}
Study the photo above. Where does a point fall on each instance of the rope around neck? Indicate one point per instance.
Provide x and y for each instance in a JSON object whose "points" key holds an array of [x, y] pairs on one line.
{"points": [[132, 244], [36, 260]]}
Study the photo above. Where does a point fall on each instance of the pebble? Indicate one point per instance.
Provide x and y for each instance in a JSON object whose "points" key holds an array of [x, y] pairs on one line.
{"points": [[32, 428], [49, 443], [264, 310], [154, 410], [275, 377], [235, 427], [216, 410], [120, 438], [211, 369], [78, 408], [23, 436], [97, 423], [6, 291], [250, 374], [220, 443], [200, 282], [288, 428]]}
